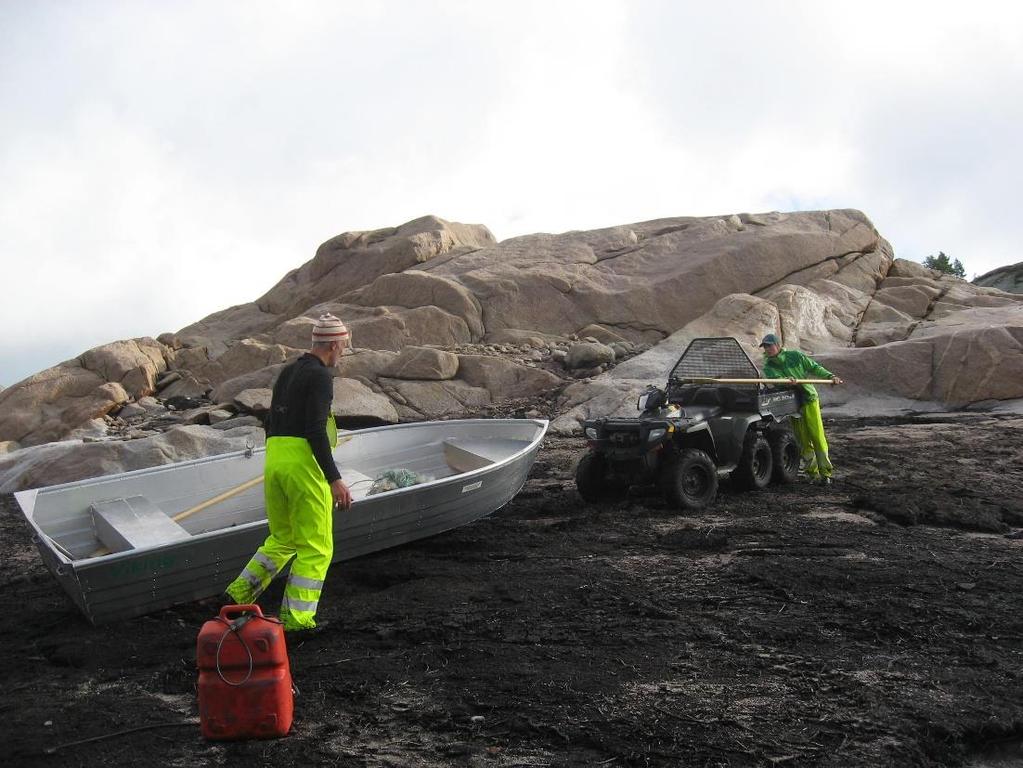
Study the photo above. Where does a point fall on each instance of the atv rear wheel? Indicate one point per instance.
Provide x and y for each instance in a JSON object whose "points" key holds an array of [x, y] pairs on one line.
{"points": [[591, 478], [689, 480], [755, 464], [785, 452]]}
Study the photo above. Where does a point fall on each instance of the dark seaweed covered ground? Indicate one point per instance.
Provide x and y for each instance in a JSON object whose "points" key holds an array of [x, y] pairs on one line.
{"points": [[877, 622]]}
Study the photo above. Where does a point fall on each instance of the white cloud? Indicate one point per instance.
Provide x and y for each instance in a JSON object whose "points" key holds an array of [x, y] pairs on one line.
{"points": [[159, 162]]}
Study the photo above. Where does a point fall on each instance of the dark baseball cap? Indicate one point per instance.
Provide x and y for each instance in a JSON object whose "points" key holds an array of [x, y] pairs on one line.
{"points": [[770, 339]]}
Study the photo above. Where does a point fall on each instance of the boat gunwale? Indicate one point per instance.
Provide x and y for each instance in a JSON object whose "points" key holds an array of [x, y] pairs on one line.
{"points": [[44, 539]]}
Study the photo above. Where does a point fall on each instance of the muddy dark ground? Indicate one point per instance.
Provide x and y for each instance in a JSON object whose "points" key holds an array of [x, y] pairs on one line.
{"points": [[879, 622]]}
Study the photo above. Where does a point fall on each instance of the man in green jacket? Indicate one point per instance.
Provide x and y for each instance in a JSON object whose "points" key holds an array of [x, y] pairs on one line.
{"points": [[809, 428]]}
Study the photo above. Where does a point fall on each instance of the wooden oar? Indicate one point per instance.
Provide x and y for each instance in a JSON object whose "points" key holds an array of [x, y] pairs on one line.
{"points": [[755, 381], [215, 500]]}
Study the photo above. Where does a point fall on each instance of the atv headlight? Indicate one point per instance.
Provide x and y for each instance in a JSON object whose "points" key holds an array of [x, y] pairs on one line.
{"points": [[655, 435], [591, 432]]}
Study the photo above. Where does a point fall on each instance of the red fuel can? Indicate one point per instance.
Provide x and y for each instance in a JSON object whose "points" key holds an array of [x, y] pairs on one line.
{"points": [[244, 676]]}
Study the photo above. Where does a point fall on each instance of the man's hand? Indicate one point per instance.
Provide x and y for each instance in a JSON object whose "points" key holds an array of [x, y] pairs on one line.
{"points": [[342, 498], [837, 380], [792, 380]]}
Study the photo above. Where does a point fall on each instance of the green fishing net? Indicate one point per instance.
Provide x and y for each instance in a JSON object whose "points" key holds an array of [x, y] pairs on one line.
{"points": [[390, 479]]}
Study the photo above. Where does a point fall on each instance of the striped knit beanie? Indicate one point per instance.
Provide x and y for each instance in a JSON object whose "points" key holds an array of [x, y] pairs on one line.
{"points": [[329, 328]]}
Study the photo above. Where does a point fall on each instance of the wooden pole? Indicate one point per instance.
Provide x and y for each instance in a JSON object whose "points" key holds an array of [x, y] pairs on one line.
{"points": [[217, 499], [755, 381]]}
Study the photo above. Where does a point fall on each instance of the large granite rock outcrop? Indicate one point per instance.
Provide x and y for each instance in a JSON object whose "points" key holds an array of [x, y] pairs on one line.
{"points": [[447, 321], [341, 265], [48, 405], [921, 341], [645, 281], [71, 460], [1008, 278]]}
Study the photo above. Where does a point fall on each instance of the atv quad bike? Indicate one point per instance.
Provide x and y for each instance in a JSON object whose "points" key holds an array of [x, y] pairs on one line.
{"points": [[692, 432]]}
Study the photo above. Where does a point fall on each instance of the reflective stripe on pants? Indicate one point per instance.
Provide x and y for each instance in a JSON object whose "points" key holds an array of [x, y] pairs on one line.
{"points": [[298, 509], [813, 445]]}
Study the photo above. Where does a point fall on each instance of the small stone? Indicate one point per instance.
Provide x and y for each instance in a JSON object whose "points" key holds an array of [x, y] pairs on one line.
{"points": [[168, 378], [131, 411], [218, 415]]}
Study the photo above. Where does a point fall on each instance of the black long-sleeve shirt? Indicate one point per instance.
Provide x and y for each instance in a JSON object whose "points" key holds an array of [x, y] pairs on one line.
{"points": [[300, 406]]}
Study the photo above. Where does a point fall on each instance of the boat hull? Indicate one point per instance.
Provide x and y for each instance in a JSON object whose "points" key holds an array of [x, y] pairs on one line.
{"points": [[109, 587]]}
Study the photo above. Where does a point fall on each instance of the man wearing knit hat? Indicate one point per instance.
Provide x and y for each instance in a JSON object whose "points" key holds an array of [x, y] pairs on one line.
{"points": [[301, 482]]}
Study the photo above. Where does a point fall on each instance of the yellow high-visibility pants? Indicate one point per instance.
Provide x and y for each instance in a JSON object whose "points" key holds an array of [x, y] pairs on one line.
{"points": [[299, 509], [813, 445]]}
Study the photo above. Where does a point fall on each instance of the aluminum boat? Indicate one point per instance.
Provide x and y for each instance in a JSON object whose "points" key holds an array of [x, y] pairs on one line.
{"points": [[128, 544]]}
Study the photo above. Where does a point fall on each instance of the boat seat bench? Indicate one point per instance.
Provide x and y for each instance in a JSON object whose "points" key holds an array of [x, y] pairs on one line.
{"points": [[465, 455], [133, 523]]}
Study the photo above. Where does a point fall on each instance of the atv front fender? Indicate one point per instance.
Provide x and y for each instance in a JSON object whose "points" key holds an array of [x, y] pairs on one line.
{"points": [[729, 434]]}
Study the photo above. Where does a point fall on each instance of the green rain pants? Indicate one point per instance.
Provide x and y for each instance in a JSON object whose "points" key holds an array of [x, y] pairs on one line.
{"points": [[298, 507], [813, 445]]}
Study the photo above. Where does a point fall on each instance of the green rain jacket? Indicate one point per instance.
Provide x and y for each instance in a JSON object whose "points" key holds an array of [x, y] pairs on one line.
{"points": [[792, 364]]}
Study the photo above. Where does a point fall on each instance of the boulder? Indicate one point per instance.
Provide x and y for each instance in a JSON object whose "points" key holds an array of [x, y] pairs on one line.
{"points": [[185, 385], [94, 429], [912, 269], [132, 411], [600, 333], [588, 354], [243, 357], [236, 422], [353, 399], [134, 364], [422, 363], [254, 400], [217, 415], [190, 358], [434, 399], [365, 365], [504, 379], [48, 405], [414, 288], [622, 349], [262, 378], [150, 404], [73, 460], [914, 300]]}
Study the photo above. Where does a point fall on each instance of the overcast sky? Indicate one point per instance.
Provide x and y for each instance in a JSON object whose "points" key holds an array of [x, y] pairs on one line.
{"points": [[163, 160]]}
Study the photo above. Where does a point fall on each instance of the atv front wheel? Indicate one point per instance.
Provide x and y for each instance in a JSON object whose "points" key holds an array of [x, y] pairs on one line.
{"points": [[689, 480], [591, 478], [755, 464], [785, 452]]}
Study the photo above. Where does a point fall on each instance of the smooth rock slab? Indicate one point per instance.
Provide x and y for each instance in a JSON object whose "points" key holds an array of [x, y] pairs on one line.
{"points": [[72, 460]]}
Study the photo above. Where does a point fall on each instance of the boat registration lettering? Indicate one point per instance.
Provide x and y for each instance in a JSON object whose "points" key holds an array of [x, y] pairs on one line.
{"points": [[472, 486], [143, 566]]}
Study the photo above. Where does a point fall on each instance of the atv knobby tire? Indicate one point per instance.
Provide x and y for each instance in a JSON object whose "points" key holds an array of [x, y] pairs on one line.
{"points": [[591, 479], [689, 480], [755, 465], [785, 452]]}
